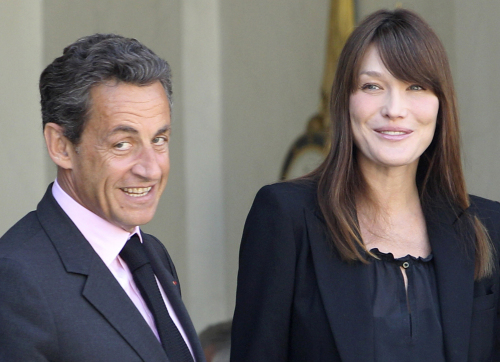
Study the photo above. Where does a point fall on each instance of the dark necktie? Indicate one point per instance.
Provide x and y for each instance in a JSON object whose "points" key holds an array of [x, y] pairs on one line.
{"points": [[135, 256]]}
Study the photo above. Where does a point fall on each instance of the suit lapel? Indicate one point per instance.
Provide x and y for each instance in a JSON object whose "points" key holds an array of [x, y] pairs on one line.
{"points": [[172, 290], [344, 289], [101, 289], [455, 281], [107, 296]]}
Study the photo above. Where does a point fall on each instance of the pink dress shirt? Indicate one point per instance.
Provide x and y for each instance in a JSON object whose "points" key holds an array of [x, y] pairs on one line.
{"points": [[108, 240]]}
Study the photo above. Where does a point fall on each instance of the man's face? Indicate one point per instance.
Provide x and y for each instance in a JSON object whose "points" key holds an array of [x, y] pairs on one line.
{"points": [[120, 167]]}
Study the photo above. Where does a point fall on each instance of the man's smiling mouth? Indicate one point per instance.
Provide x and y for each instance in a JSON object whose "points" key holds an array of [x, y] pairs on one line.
{"points": [[136, 191]]}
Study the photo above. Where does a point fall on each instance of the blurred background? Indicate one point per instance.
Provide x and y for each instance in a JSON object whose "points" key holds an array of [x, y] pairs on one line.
{"points": [[247, 78]]}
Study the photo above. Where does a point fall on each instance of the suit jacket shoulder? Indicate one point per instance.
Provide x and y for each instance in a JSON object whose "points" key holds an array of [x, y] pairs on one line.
{"points": [[297, 194], [286, 200], [15, 239]]}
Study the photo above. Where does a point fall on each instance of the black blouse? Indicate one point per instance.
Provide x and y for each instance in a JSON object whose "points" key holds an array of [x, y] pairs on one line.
{"points": [[407, 322]]}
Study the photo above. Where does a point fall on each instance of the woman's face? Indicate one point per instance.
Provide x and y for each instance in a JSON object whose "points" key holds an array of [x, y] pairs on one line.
{"points": [[393, 122]]}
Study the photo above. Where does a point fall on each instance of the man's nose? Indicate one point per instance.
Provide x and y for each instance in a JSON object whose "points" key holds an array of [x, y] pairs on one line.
{"points": [[148, 164]]}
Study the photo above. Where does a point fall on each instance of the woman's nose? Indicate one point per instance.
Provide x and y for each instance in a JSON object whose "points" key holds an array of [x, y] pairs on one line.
{"points": [[395, 105]]}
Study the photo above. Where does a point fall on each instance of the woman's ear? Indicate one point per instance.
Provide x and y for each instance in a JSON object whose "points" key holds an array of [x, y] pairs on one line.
{"points": [[60, 148]]}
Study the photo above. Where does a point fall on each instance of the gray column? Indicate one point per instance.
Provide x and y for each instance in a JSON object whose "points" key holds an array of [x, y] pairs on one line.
{"points": [[202, 130]]}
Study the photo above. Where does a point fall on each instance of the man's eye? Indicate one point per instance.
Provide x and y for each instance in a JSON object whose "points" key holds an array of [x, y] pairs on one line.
{"points": [[160, 141], [123, 146]]}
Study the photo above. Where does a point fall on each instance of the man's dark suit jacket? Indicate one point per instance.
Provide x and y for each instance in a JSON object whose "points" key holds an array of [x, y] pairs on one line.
{"points": [[59, 301], [297, 301]]}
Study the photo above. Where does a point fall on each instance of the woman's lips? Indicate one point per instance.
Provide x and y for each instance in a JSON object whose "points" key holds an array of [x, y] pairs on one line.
{"points": [[393, 134]]}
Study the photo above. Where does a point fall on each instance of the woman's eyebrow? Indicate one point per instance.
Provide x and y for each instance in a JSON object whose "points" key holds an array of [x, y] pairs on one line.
{"points": [[371, 73]]}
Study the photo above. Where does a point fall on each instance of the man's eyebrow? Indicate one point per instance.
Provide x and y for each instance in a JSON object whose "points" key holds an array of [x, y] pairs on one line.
{"points": [[121, 128], [163, 130], [371, 73], [128, 129]]}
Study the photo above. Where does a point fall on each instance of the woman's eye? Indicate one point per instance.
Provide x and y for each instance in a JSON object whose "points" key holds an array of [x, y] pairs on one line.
{"points": [[416, 87], [123, 146], [370, 86]]}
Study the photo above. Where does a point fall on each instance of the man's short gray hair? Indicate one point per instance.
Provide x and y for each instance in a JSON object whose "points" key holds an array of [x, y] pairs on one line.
{"points": [[92, 60]]}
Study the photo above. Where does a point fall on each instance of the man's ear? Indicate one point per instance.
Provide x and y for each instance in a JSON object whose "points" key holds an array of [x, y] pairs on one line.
{"points": [[60, 148]]}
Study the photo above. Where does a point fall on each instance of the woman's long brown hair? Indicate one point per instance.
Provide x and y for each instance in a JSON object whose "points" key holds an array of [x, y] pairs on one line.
{"points": [[412, 52]]}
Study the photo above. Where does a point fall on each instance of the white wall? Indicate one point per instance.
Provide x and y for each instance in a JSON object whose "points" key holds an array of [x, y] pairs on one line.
{"points": [[273, 56], [21, 141], [477, 77]]}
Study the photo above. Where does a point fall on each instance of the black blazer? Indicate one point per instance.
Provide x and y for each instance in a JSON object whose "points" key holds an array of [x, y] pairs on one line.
{"points": [[297, 301], [59, 301]]}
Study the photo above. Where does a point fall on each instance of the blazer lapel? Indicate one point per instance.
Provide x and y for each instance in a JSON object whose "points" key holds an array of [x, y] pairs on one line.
{"points": [[344, 289], [107, 296], [101, 289], [172, 290], [455, 281]]}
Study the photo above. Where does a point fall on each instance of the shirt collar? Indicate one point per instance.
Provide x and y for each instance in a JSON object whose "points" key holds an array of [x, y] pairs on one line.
{"points": [[106, 239]]}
